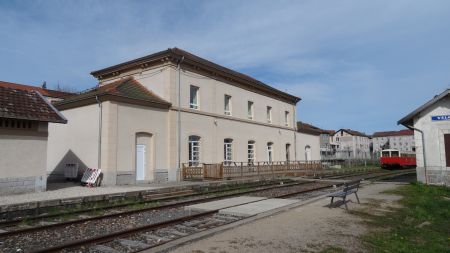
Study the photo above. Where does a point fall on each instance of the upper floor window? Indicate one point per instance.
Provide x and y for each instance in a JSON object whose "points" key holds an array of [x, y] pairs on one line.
{"points": [[227, 105], [193, 101], [286, 118], [228, 151], [269, 114], [251, 152], [194, 150], [250, 109]]}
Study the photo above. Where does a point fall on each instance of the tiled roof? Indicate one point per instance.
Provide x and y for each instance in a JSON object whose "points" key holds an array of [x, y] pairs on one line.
{"points": [[393, 133], [126, 90], [353, 132], [45, 92], [176, 54], [28, 105], [308, 128]]}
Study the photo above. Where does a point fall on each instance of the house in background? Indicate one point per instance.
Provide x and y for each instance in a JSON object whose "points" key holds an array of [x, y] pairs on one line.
{"points": [[431, 125], [351, 144], [151, 115], [24, 118], [402, 140], [308, 141]]}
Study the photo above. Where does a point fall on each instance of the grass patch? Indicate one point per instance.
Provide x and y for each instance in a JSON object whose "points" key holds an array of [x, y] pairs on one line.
{"points": [[422, 225]]}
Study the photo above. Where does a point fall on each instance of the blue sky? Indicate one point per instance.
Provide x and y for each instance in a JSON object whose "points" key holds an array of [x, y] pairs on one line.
{"points": [[356, 64]]}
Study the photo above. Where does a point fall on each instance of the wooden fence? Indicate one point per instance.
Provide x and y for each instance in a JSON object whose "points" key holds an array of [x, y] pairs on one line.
{"points": [[234, 170]]}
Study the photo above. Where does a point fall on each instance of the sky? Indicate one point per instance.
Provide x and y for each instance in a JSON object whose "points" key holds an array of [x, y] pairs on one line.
{"points": [[356, 64]]}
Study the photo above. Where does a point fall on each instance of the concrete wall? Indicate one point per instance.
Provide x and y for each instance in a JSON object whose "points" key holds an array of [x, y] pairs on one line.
{"points": [[75, 142], [304, 140], [437, 172], [23, 159]]}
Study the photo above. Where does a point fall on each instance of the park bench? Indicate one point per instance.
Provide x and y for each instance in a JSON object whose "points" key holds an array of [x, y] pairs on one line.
{"points": [[349, 188]]}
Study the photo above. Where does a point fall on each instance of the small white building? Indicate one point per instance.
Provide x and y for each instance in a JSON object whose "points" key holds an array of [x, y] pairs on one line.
{"points": [[402, 140], [431, 125], [351, 144]]}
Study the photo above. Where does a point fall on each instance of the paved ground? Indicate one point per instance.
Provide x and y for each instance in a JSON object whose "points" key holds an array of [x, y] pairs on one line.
{"points": [[309, 228], [72, 190]]}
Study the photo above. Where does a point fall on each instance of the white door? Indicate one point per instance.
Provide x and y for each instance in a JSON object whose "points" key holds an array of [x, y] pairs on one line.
{"points": [[308, 153], [140, 162]]}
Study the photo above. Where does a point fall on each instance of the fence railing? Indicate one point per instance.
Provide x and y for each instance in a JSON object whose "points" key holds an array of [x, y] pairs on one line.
{"points": [[235, 170]]}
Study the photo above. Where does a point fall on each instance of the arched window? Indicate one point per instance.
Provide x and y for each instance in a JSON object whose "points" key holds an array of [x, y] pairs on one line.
{"points": [[194, 150], [270, 151], [227, 151], [251, 151], [308, 153]]}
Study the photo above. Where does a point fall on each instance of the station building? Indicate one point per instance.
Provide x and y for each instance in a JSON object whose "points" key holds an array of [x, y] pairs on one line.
{"points": [[150, 115], [431, 125], [24, 118]]}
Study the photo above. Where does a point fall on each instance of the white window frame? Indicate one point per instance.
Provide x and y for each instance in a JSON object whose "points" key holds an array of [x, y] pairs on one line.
{"points": [[269, 114], [286, 118], [228, 151], [194, 104], [227, 102], [194, 150], [270, 152], [250, 113], [251, 151]]}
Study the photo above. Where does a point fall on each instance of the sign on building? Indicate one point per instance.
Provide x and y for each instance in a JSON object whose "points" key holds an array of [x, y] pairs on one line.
{"points": [[440, 117]]}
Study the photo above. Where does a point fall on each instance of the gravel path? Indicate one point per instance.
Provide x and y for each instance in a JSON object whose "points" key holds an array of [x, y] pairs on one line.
{"points": [[311, 228]]}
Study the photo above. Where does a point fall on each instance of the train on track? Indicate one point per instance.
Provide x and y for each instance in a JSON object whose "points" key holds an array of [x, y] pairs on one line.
{"points": [[396, 159]]}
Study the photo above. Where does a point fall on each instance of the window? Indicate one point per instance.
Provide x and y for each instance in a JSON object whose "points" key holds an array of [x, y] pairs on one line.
{"points": [[269, 114], [270, 151], [250, 109], [193, 101], [251, 151], [194, 150], [228, 151], [337, 138], [286, 118], [288, 152], [227, 105]]}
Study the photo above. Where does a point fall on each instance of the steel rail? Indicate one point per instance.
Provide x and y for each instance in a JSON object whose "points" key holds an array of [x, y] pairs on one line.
{"points": [[112, 236], [165, 206], [132, 231], [86, 210]]}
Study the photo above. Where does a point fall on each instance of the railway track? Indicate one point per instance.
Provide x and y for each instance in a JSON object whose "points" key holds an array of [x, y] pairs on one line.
{"points": [[77, 234]]}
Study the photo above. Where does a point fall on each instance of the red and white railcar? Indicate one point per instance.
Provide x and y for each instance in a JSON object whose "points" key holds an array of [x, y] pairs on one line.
{"points": [[393, 158]]}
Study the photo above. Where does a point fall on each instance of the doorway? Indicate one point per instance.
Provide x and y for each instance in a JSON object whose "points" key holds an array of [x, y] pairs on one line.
{"points": [[140, 161]]}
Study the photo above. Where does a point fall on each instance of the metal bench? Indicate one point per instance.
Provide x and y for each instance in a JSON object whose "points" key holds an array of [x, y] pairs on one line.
{"points": [[349, 188]]}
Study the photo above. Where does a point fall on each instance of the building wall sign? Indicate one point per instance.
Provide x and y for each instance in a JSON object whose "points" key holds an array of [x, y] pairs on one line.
{"points": [[440, 117]]}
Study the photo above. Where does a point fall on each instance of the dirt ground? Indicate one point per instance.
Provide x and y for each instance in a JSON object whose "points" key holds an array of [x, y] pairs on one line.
{"points": [[310, 228]]}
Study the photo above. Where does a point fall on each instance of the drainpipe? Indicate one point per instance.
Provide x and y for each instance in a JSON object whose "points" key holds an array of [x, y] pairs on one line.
{"points": [[295, 131], [99, 163], [179, 112], [423, 150]]}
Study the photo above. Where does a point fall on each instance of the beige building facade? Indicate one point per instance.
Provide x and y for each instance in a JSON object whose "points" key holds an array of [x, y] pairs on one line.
{"points": [[195, 112], [24, 119], [351, 144]]}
